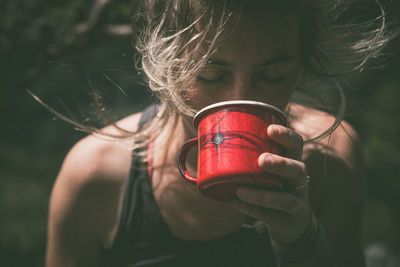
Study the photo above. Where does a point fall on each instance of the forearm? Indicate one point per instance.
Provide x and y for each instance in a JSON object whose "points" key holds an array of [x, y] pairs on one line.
{"points": [[311, 249], [347, 253], [322, 256]]}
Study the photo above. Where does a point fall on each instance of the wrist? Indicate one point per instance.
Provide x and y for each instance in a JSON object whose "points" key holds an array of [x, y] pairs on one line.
{"points": [[303, 248]]}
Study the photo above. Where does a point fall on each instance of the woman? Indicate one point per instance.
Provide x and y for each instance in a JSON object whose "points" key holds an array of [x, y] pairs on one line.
{"points": [[111, 207]]}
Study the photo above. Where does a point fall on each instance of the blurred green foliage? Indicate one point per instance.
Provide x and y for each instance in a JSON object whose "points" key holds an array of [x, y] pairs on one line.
{"points": [[39, 51], [382, 155]]}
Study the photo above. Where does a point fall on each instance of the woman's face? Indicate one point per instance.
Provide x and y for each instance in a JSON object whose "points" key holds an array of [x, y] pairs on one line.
{"points": [[259, 60]]}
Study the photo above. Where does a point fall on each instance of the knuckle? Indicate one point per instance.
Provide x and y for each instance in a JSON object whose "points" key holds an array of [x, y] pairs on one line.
{"points": [[300, 139], [281, 162]]}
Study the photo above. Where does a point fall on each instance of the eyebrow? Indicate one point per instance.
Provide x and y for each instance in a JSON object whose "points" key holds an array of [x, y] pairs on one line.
{"points": [[269, 62]]}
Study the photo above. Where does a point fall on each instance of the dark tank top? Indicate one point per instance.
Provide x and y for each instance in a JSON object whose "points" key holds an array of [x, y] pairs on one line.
{"points": [[144, 239]]}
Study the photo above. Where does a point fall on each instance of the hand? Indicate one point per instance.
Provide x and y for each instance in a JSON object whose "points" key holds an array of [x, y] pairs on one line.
{"points": [[287, 213]]}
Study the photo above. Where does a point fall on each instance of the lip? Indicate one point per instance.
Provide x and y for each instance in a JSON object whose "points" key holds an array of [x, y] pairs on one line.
{"points": [[238, 103]]}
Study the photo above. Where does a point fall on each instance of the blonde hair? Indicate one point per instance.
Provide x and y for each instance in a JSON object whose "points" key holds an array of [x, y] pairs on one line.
{"points": [[169, 34], [175, 38]]}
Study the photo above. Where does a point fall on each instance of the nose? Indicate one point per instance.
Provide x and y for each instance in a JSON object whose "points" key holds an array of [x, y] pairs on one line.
{"points": [[248, 87], [242, 88]]}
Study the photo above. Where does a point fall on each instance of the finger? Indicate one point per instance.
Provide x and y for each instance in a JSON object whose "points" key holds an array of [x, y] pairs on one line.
{"points": [[294, 172], [268, 215], [272, 200], [288, 138]]}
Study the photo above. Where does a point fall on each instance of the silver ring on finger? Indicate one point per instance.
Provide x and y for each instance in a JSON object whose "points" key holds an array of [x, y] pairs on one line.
{"points": [[306, 182]]}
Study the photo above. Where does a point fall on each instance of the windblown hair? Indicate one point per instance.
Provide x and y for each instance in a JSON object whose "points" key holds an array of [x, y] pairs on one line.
{"points": [[175, 38]]}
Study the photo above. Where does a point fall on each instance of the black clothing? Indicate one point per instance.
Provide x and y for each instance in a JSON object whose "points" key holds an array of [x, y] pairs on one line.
{"points": [[143, 237]]}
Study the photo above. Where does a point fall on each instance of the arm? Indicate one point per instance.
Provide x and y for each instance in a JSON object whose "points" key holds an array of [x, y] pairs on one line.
{"points": [[83, 205], [86, 197], [73, 240], [287, 213]]}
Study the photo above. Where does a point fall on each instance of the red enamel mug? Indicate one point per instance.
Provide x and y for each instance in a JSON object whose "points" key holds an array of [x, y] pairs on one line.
{"points": [[231, 137]]}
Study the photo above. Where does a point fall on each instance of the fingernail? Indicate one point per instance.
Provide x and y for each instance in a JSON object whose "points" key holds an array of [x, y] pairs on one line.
{"points": [[267, 160], [275, 129]]}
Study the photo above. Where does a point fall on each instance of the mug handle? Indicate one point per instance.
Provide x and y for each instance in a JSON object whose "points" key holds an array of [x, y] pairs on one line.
{"points": [[182, 155]]}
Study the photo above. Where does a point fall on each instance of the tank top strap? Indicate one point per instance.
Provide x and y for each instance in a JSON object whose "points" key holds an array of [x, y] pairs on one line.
{"points": [[139, 216], [137, 183], [148, 114]]}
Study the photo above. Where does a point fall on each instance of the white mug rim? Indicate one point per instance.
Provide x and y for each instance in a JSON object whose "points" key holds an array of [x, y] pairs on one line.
{"points": [[224, 104]]}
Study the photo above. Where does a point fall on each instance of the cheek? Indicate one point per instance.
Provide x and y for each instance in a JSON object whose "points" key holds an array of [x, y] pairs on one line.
{"points": [[199, 98], [277, 96], [284, 92], [274, 95], [283, 97]]}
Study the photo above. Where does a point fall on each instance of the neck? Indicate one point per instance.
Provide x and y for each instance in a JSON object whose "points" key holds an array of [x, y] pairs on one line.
{"points": [[188, 213]]}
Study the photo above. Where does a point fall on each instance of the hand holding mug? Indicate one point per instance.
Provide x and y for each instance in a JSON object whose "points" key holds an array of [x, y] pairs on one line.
{"points": [[287, 212], [231, 137]]}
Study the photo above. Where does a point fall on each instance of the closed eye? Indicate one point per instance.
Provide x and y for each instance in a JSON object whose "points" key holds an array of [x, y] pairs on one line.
{"points": [[211, 76], [278, 72], [272, 78]]}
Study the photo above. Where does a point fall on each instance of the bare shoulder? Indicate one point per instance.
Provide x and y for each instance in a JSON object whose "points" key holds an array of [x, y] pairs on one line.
{"points": [[86, 195], [343, 143], [95, 158]]}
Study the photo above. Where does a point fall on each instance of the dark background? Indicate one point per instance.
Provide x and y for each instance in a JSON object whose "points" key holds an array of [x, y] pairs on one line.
{"points": [[63, 51]]}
